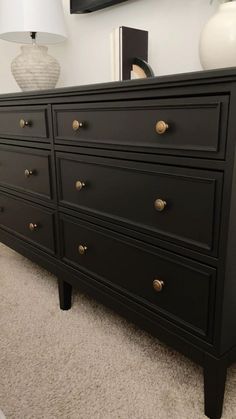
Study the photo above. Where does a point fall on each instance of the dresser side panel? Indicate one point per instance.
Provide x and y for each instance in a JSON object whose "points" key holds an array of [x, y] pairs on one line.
{"points": [[228, 325]]}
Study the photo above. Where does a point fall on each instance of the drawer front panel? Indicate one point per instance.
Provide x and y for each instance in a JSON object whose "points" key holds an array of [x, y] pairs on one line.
{"points": [[187, 288], [25, 170], [24, 122], [196, 126], [32, 222], [130, 193]]}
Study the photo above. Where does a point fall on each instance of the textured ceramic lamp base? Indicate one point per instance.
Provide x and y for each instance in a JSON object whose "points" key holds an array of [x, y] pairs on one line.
{"points": [[34, 69]]}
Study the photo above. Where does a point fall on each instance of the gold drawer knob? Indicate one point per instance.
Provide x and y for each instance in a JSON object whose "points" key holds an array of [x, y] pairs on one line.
{"points": [[79, 185], [158, 285], [161, 127], [160, 205], [82, 249], [33, 226], [24, 123], [76, 125], [28, 173]]}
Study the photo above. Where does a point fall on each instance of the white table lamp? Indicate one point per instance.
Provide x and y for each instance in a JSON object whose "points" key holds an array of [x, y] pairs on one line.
{"points": [[33, 22]]}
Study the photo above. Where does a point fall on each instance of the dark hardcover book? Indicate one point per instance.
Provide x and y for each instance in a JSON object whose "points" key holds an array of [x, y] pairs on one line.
{"points": [[133, 44]]}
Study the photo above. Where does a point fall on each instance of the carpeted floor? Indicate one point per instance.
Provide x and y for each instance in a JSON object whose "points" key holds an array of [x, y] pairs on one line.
{"points": [[87, 363]]}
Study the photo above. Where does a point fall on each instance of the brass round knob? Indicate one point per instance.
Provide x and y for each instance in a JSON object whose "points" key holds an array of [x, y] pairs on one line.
{"points": [[28, 173], [160, 205], [161, 127], [76, 125], [158, 285], [79, 185], [82, 249], [33, 226], [24, 123]]}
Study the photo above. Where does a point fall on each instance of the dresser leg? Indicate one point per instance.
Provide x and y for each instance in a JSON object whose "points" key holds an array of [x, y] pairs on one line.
{"points": [[215, 372], [65, 291]]}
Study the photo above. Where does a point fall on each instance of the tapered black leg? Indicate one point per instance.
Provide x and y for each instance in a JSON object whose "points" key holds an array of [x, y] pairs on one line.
{"points": [[215, 371], [65, 291]]}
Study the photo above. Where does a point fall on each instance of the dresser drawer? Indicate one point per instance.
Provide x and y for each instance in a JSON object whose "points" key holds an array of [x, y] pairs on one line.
{"points": [[193, 126], [174, 203], [24, 122], [31, 222], [185, 290], [26, 170]]}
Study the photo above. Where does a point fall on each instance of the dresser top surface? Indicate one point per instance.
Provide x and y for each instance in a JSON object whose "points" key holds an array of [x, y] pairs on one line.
{"points": [[182, 79]]}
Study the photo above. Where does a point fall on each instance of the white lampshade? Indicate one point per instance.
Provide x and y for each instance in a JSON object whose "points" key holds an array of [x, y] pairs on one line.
{"points": [[20, 17]]}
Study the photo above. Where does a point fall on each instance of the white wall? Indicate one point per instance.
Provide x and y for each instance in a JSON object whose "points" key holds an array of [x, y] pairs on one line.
{"points": [[174, 28]]}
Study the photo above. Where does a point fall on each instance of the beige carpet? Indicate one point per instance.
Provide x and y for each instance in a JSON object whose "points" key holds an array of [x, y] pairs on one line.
{"points": [[87, 363]]}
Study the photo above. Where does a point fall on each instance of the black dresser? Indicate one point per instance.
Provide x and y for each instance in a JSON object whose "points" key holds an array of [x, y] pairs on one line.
{"points": [[128, 191]]}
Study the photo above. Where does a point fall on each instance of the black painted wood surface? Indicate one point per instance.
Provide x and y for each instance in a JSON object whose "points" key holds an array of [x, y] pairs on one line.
{"points": [[125, 165], [35, 117], [132, 269], [17, 215], [26, 170], [197, 126], [126, 192]]}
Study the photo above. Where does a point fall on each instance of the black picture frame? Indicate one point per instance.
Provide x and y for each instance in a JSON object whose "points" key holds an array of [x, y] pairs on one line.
{"points": [[87, 6]]}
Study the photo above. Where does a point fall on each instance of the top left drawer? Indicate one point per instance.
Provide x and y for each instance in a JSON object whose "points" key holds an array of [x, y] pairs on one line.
{"points": [[24, 122]]}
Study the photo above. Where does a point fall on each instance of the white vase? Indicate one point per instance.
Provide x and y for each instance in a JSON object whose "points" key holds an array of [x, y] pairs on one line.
{"points": [[218, 39], [34, 69]]}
